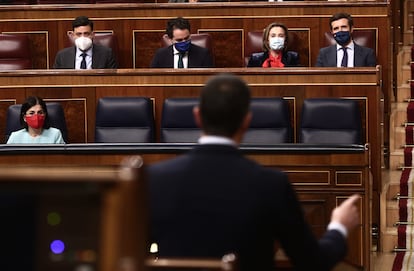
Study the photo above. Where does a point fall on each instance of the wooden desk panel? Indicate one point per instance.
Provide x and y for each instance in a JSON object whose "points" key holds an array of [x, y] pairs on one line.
{"points": [[78, 92], [77, 164]]}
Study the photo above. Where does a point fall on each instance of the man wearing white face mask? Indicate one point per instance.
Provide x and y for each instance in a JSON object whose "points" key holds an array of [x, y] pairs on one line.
{"points": [[275, 53], [85, 54]]}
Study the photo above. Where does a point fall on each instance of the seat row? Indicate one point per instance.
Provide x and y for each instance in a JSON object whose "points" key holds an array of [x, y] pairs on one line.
{"points": [[15, 49], [131, 120]]}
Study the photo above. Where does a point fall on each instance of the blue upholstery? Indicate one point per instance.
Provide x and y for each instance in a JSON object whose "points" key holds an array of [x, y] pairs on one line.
{"points": [[56, 119], [270, 122], [177, 121], [124, 120], [330, 121]]}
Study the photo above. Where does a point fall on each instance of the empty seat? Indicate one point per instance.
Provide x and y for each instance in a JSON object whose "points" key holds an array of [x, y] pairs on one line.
{"points": [[124, 120], [54, 111], [270, 123], [177, 121], [15, 52], [330, 121]]}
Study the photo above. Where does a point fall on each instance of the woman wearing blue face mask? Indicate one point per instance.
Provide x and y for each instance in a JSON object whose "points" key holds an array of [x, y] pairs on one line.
{"points": [[275, 53]]}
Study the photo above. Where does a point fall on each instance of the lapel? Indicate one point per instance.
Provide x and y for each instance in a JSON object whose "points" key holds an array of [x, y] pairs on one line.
{"points": [[72, 56], [331, 56], [94, 53], [358, 56], [188, 55]]}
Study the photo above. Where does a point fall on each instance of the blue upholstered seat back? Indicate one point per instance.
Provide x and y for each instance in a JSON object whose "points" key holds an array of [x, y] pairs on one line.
{"points": [[177, 121], [270, 122], [331, 121], [124, 120]]}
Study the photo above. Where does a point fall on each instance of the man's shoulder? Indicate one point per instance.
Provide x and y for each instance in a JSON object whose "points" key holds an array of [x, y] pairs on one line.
{"points": [[101, 48], [362, 48], [164, 50], [66, 50], [327, 48], [197, 48]]}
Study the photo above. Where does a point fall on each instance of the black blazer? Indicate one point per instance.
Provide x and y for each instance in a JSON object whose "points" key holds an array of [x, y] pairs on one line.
{"points": [[363, 57], [102, 58], [198, 57], [212, 201], [289, 58]]}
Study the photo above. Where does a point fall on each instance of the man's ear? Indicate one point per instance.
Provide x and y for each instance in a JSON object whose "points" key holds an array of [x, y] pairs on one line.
{"points": [[247, 120], [197, 117]]}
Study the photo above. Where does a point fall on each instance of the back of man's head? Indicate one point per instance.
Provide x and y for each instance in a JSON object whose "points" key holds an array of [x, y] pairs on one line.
{"points": [[82, 21], [177, 23], [224, 104]]}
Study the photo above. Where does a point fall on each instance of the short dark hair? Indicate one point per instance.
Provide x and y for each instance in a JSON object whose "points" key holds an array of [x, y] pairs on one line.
{"points": [[341, 15], [177, 23], [266, 32], [82, 21], [29, 103], [224, 103]]}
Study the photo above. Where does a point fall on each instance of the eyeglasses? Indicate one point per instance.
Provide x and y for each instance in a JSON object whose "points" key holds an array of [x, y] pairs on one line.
{"points": [[31, 113]]}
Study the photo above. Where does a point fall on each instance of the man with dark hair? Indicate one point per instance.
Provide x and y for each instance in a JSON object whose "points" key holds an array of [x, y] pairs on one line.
{"points": [[213, 201], [85, 54], [181, 53], [346, 53]]}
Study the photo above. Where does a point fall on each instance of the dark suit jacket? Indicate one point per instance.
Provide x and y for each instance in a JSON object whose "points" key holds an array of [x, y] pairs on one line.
{"points": [[102, 58], [363, 57], [289, 58], [198, 57], [212, 201]]}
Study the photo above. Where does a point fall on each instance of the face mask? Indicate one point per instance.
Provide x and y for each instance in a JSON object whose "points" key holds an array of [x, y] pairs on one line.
{"points": [[342, 37], [276, 43], [83, 43], [183, 46], [35, 121]]}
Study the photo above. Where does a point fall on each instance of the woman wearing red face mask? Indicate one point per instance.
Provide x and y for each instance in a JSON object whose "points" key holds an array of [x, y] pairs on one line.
{"points": [[34, 119]]}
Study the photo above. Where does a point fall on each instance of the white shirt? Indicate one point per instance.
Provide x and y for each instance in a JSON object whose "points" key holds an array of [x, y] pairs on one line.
{"points": [[221, 140], [340, 54], [78, 58], [185, 58]]}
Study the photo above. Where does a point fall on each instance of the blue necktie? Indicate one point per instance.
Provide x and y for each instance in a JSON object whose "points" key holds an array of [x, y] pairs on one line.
{"points": [[83, 63], [180, 60], [344, 62]]}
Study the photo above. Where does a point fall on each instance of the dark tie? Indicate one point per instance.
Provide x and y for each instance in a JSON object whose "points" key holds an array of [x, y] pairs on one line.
{"points": [[83, 63], [180, 60], [344, 62]]}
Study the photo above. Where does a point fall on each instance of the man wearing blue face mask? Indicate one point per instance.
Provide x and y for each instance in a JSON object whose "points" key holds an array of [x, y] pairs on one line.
{"points": [[181, 53], [346, 53]]}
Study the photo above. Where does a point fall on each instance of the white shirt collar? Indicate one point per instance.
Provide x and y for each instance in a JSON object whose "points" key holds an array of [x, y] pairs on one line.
{"points": [[349, 46], [88, 52], [210, 139]]}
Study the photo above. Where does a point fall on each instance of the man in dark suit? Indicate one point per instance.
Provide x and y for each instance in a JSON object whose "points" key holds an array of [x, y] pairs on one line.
{"points": [[345, 53], [181, 53], [85, 54], [213, 201]]}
